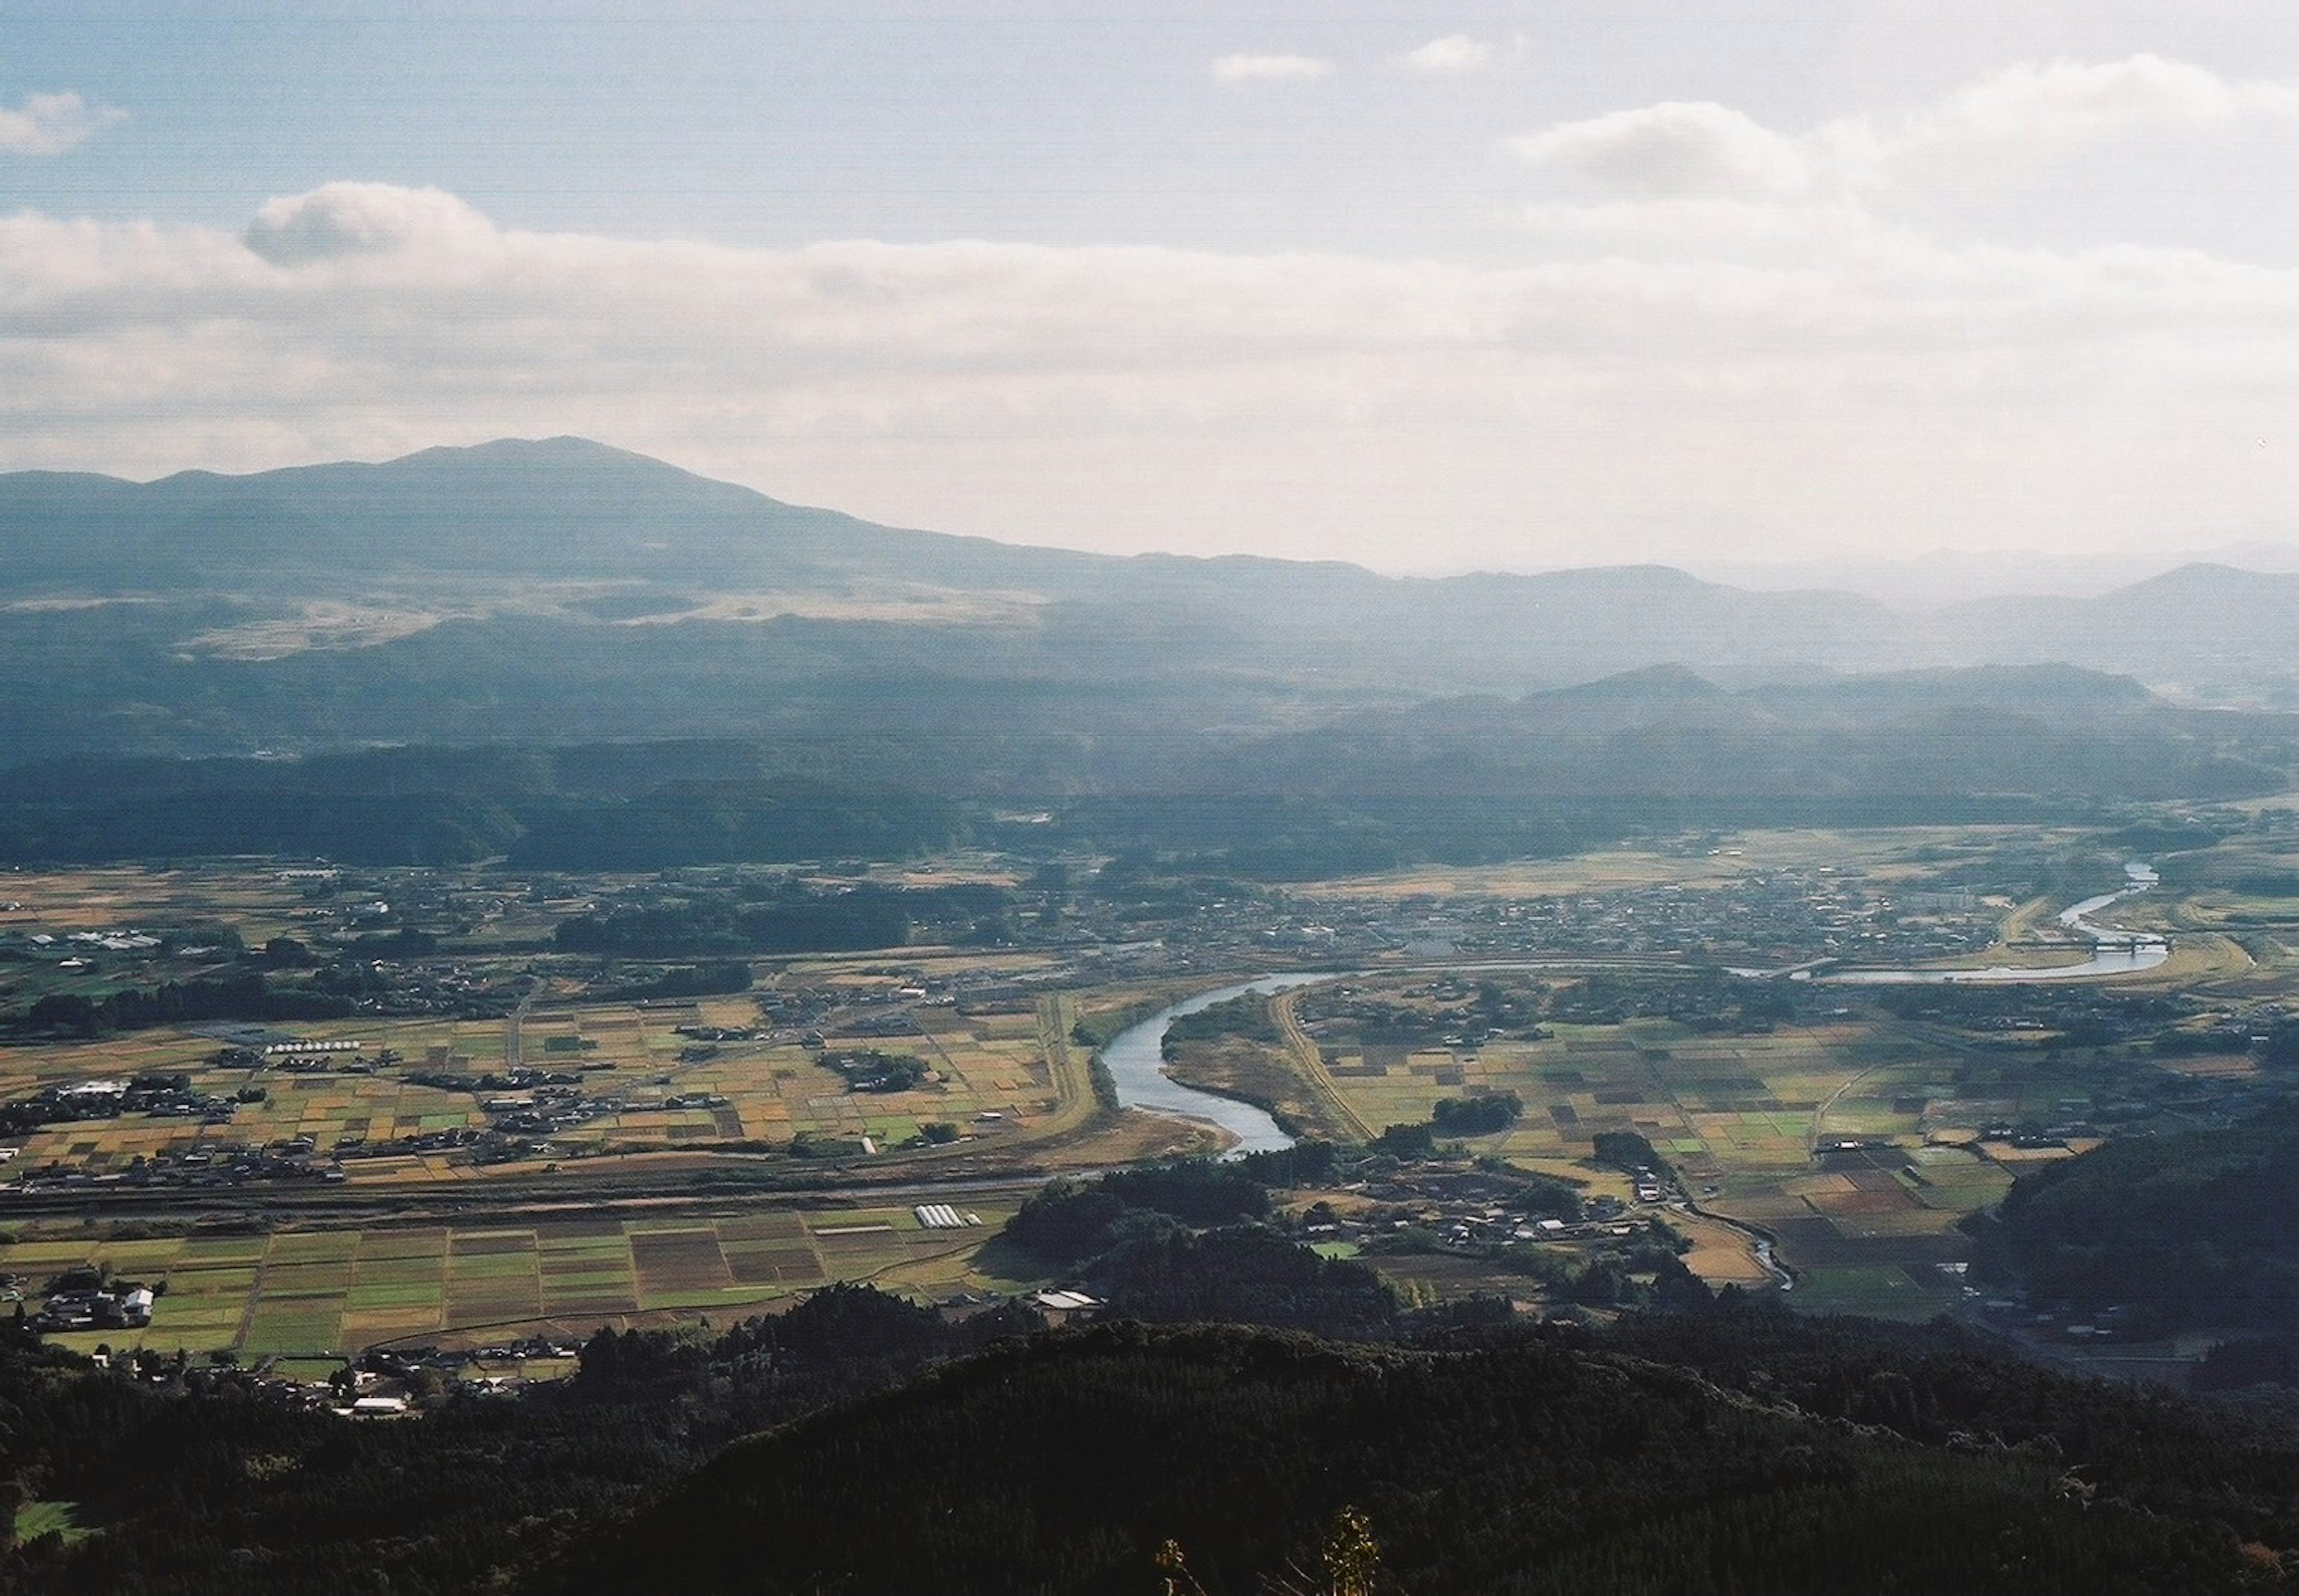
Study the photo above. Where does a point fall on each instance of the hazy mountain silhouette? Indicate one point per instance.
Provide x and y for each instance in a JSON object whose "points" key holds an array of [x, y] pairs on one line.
{"points": [[482, 593]]}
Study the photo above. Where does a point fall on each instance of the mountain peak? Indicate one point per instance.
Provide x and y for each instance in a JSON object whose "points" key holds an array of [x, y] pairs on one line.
{"points": [[1648, 684], [2208, 579], [565, 452]]}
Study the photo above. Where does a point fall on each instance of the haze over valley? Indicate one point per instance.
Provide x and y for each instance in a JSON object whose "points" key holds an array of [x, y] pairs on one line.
{"points": [[1072, 798]]}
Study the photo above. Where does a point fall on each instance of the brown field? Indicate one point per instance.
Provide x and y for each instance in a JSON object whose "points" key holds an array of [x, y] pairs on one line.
{"points": [[1016, 1064], [1884, 853], [1746, 1119]]}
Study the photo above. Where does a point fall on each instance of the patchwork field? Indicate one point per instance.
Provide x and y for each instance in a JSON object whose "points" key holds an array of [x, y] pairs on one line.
{"points": [[314, 1292], [631, 1060], [1752, 1120], [1752, 1124]]}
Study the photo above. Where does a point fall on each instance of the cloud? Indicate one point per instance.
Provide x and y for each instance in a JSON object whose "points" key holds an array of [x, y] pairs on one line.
{"points": [[1270, 69], [1649, 369], [340, 219], [1453, 53], [2072, 101], [1675, 148], [51, 124], [1680, 149]]}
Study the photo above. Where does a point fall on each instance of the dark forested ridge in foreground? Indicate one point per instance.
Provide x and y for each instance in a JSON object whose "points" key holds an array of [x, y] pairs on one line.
{"points": [[1729, 1448], [1534, 1464], [466, 594]]}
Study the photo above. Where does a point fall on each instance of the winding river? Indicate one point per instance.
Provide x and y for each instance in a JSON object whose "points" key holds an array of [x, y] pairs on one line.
{"points": [[1136, 1059]]}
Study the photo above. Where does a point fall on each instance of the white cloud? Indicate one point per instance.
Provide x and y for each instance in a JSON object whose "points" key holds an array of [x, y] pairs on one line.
{"points": [[340, 219], [1675, 148], [1268, 69], [2072, 101], [1681, 149], [51, 124], [1452, 52], [1655, 366]]}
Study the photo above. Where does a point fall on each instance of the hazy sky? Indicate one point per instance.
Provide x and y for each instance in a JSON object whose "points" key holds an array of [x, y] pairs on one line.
{"points": [[1417, 285]]}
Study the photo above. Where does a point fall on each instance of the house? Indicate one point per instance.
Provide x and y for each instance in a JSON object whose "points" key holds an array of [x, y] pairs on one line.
{"points": [[1061, 1306]]}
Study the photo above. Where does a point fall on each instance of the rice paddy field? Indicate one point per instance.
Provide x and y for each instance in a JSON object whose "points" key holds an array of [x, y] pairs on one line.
{"points": [[1015, 1066], [1750, 1120], [315, 1293], [1885, 853], [1751, 1124]]}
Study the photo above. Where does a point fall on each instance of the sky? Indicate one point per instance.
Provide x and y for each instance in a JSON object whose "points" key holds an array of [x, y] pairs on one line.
{"points": [[1426, 287]]}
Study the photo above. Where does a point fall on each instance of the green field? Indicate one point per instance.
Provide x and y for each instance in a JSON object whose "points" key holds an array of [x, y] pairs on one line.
{"points": [[1749, 1121], [323, 1292]]}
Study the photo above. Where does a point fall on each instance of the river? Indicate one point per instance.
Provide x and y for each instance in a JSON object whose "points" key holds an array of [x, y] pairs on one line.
{"points": [[1136, 1061], [1136, 1058], [2114, 952]]}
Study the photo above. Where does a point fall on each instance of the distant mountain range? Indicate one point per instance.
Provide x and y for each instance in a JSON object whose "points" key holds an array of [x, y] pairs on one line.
{"points": [[1940, 578], [561, 590], [2053, 731]]}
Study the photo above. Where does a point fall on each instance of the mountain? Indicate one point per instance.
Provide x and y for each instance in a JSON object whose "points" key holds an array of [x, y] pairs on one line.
{"points": [[512, 521], [557, 509], [1664, 733], [558, 590], [2208, 629], [859, 1443], [468, 595]]}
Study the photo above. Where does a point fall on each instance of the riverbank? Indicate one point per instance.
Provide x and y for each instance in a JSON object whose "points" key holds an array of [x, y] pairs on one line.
{"points": [[1249, 1072], [1135, 1059]]}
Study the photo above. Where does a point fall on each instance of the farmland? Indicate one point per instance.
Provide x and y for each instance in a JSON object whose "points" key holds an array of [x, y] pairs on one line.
{"points": [[1855, 1139], [401, 1097], [310, 1292], [503, 1133]]}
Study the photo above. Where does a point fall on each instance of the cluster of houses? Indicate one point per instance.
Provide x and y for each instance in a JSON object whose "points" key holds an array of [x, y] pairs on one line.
{"points": [[1465, 1208], [1766, 916], [1771, 916], [209, 1165], [163, 1096], [85, 1300]]}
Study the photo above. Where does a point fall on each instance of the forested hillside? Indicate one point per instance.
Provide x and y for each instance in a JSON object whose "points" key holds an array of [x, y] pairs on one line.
{"points": [[1734, 1449], [863, 770], [2169, 1232], [1537, 1463]]}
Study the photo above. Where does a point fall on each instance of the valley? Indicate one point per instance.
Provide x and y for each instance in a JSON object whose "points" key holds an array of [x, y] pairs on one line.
{"points": [[488, 1144], [679, 960]]}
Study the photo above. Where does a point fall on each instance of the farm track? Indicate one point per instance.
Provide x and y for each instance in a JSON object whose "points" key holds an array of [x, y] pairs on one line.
{"points": [[1285, 1008], [1055, 1017], [513, 1053], [1819, 1115], [254, 1300]]}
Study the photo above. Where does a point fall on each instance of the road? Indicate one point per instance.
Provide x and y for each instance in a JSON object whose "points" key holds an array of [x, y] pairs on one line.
{"points": [[517, 1016], [1285, 1008]]}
